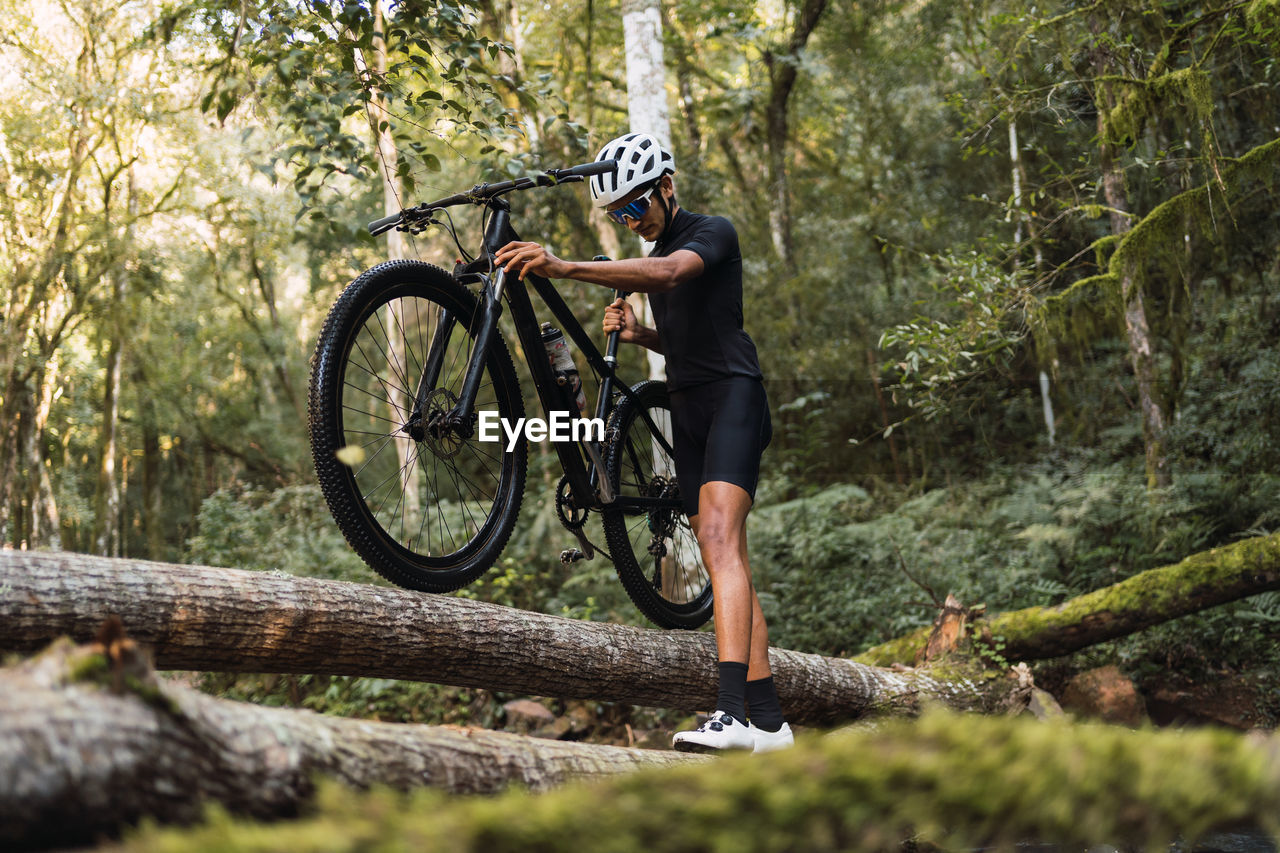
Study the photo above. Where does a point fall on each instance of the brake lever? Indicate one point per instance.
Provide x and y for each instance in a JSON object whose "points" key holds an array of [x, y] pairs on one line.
{"points": [[417, 226]]}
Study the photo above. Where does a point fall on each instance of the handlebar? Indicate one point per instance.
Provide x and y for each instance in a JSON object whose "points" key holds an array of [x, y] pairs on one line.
{"points": [[482, 193]]}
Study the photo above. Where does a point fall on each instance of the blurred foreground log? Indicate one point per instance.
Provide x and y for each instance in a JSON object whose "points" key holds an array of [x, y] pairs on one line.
{"points": [[90, 741], [209, 619], [1199, 582], [942, 782]]}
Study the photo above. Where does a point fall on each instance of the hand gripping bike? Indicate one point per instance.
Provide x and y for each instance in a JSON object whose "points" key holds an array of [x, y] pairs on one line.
{"points": [[411, 365]]}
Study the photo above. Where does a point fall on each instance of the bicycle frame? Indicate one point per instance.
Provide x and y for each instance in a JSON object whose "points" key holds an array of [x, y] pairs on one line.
{"points": [[583, 475]]}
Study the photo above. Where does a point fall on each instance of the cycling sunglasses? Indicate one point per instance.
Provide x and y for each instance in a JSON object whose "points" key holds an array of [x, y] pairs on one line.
{"points": [[633, 209]]}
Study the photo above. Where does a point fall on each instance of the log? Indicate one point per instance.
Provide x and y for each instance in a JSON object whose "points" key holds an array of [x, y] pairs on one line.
{"points": [[200, 618], [91, 741], [941, 782], [1201, 581]]}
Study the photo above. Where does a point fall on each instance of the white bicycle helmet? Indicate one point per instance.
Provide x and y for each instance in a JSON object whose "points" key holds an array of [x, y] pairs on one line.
{"points": [[641, 161]]}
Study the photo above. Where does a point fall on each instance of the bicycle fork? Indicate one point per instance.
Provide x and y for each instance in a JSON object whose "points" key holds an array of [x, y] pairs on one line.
{"points": [[460, 419]]}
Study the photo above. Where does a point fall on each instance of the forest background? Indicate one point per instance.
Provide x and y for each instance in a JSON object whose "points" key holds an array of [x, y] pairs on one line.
{"points": [[950, 214]]}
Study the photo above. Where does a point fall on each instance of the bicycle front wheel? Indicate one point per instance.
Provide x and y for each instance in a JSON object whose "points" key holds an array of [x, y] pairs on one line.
{"points": [[420, 498], [654, 550]]}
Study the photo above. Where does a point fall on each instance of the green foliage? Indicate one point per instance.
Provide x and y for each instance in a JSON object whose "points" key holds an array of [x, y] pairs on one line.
{"points": [[287, 529], [948, 780], [839, 572], [336, 76], [383, 699], [976, 319]]}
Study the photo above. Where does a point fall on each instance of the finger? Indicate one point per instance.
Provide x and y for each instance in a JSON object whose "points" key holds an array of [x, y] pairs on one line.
{"points": [[508, 250], [520, 258]]}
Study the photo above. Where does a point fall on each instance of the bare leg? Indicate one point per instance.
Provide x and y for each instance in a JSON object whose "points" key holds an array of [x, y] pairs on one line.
{"points": [[741, 634], [721, 529]]}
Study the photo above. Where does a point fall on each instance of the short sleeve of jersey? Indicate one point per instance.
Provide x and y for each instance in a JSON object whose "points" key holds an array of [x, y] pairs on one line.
{"points": [[714, 240]]}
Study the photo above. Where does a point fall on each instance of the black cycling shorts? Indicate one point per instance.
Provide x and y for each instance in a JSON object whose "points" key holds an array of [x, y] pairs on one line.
{"points": [[720, 429]]}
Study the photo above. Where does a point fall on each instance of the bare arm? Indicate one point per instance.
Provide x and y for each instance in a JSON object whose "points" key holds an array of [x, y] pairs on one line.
{"points": [[637, 275]]}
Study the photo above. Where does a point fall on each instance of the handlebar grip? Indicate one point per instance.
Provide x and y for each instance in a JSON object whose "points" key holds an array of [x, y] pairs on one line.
{"points": [[386, 223], [599, 167]]}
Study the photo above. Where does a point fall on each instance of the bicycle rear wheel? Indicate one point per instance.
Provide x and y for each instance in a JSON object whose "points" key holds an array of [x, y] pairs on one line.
{"points": [[426, 505], [654, 551]]}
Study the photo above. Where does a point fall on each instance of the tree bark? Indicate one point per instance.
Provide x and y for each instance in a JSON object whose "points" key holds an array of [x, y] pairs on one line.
{"points": [[1201, 581], [378, 111], [647, 109], [108, 498], [783, 70], [90, 740], [1137, 330], [236, 621]]}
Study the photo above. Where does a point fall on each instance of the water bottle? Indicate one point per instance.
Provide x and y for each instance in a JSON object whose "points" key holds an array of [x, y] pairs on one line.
{"points": [[562, 366]]}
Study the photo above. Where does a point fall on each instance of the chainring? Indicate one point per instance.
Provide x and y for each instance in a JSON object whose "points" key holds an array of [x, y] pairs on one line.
{"points": [[566, 511]]}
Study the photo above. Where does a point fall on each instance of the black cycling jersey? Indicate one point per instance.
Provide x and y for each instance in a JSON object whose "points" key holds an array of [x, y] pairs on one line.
{"points": [[700, 321]]}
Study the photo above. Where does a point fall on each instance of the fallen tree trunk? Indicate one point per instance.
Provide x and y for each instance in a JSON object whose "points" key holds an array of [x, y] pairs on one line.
{"points": [[1199, 582], [228, 620], [79, 758]]}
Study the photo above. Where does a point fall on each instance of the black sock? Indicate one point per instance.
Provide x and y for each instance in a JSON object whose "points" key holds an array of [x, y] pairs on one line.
{"points": [[762, 698], [733, 690]]}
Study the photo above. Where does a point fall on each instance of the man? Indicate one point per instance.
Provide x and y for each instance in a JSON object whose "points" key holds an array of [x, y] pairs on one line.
{"points": [[719, 410]]}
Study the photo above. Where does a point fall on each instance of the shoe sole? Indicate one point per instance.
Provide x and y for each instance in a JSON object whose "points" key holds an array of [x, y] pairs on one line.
{"points": [[703, 749]]}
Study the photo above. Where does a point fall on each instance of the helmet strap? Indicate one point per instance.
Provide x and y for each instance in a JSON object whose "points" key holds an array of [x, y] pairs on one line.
{"points": [[666, 214]]}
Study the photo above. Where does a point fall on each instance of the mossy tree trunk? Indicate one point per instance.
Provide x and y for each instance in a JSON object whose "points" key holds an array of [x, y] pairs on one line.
{"points": [[90, 740], [1201, 581], [943, 782], [227, 620], [1142, 354]]}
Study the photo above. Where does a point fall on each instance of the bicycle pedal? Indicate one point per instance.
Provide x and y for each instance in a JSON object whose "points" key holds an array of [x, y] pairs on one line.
{"points": [[571, 555]]}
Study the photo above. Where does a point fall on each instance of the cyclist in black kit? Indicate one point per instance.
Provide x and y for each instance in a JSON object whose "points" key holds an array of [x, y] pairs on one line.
{"points": [[720, 414]]}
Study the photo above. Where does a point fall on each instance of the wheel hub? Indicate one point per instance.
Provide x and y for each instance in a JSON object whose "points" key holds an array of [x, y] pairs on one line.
{"points": [[441, 433]]}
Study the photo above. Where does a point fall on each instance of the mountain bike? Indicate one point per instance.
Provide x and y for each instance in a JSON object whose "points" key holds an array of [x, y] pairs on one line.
{"points": [[409, 367]]}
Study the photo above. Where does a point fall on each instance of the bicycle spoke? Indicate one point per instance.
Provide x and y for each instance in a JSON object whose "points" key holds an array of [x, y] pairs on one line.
{"points": [[377, 376], [392, 363]]}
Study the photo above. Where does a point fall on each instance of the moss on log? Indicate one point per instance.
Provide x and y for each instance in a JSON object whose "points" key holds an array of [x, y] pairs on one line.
{"points": [[962, 781], [1199, 582]]}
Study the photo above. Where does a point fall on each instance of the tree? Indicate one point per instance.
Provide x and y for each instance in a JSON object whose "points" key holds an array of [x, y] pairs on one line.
{"points": [[75, 200], [1138, 129]]}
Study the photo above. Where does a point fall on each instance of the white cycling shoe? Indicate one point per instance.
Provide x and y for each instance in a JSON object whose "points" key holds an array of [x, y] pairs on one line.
{"points": [[720, 732], [770, 741]]}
